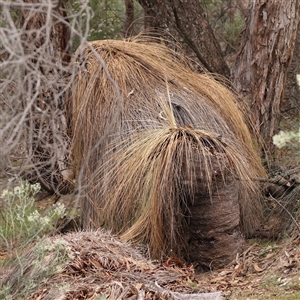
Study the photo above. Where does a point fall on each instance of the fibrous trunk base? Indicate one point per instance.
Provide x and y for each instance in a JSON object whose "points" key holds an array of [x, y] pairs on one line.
{"points": [[215, 236]]}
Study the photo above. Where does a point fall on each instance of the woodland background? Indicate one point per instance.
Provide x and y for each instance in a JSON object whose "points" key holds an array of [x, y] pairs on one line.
{"points": [[255, 45]]}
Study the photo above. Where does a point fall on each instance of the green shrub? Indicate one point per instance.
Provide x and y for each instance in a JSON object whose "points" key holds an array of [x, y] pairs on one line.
{"points": [[284, 138], [20, 221]]}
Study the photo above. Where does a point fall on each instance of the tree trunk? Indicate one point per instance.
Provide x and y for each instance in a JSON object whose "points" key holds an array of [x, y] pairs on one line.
{"points": [[186, 22], [290, 105], [46, 42], [129, 18], [263, 61]]}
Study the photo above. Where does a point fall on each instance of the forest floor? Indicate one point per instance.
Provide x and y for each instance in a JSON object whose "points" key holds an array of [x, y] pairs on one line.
{"points": [[268, 269]]}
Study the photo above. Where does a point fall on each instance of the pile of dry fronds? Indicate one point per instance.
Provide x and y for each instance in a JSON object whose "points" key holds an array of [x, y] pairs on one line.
{"points": [[168, 139], [91, 264]]}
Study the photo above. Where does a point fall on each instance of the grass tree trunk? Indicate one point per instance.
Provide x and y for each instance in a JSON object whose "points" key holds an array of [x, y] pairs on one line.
{"points": [[46, 42], [263, 61], [214, 233], [186, 22]]}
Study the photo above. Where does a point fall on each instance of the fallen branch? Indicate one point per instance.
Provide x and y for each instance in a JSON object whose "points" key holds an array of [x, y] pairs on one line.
{"points": [[180, 296]]}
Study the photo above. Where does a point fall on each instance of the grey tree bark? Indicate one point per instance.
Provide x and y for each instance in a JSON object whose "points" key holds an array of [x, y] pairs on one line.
{"points": [[262, 63], [187, 23]]}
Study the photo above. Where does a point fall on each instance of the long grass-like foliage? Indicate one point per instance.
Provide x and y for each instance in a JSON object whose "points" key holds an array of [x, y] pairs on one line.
{"points": [[140, 181]]}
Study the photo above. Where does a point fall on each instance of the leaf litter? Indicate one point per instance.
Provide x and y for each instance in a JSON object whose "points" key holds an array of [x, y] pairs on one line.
{"points": [[102, 267]]}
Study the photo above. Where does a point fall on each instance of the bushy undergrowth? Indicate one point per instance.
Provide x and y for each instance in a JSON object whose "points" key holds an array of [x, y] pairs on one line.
{"points": [[21, 225], [32, 268], [20, 221]]}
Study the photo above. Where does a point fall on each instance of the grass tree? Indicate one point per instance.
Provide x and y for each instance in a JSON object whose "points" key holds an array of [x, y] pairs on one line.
{"points": [[175, 168]]}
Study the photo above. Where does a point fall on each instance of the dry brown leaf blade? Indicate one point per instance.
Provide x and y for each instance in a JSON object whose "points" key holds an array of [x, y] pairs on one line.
{"points": [[257, 268]]}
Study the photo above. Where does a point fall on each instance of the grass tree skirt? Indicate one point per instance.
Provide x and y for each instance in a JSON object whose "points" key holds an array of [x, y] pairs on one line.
{"points": [[163, 155]]}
